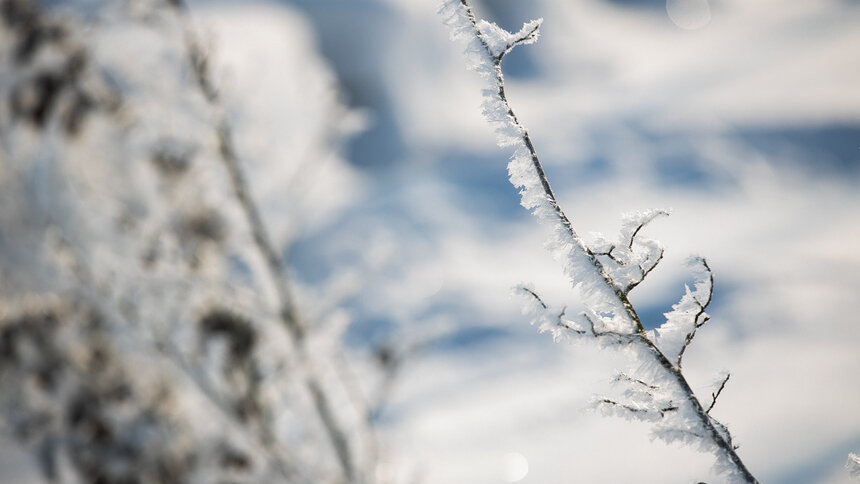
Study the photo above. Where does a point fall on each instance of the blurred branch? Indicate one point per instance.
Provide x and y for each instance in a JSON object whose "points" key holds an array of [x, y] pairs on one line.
{"points": [[89, 290], [199, 61]]}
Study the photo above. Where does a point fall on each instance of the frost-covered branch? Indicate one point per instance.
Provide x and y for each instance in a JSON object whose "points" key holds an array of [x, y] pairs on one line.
{"points": [[587, 324], [632, 257], [603, 271]]}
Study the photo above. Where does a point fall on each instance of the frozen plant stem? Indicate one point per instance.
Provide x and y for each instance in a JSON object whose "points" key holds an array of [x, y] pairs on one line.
{"points": [[604, 272]]}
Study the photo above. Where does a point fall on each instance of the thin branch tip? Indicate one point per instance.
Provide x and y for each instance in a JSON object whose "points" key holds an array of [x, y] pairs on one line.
{"points": [[716, 394]]}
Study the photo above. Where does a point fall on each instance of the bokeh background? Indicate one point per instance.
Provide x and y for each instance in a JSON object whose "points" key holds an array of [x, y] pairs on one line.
{"points": [[742, 117]]}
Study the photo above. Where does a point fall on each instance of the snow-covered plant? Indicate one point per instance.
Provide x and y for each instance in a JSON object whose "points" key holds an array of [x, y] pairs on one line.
{"points": [[605, 272], [148, 330]]}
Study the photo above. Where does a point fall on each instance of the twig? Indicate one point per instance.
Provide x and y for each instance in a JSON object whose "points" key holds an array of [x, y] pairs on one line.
{"points": [[639, 410], [624, 377], [717, 394], [697, 323]]}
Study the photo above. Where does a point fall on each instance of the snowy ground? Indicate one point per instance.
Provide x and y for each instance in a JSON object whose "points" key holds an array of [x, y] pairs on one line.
{"points": [[743, 117]]}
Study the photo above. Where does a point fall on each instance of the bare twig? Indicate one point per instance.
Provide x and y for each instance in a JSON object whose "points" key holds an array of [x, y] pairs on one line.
{"points": [[534, 295], [624, 377], [716, 394], [640, 410]]}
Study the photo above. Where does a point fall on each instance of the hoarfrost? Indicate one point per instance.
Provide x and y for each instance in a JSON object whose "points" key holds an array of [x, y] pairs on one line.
{"points": [[673, 336]]}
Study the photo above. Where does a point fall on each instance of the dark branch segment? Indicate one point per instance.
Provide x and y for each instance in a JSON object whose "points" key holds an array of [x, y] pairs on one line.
{"points": [[716, 394]]}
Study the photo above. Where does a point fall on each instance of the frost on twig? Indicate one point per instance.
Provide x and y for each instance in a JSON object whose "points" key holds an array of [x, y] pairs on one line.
{"points": [[604, 272], [629, 260], [688, 315]]}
